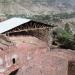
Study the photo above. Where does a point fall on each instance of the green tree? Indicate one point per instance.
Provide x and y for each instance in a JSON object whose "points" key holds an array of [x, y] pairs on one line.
{"points": [[64, 37]]}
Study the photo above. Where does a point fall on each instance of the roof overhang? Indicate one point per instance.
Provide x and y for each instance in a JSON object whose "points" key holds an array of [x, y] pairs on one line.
{"points": [[12, 23]]}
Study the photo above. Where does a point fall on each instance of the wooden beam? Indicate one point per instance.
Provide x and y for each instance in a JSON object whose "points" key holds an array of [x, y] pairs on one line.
{"points": [[29, 30]]}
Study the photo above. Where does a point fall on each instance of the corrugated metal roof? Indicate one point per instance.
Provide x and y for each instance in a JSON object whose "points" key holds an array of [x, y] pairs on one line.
{"points": [[12, 23]]}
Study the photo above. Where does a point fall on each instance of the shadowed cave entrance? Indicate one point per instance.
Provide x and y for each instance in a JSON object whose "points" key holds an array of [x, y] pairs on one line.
{"points": [[14, 72]]}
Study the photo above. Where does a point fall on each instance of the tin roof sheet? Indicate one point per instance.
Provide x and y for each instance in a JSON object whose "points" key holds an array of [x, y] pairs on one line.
{"points": [[12, 23]]}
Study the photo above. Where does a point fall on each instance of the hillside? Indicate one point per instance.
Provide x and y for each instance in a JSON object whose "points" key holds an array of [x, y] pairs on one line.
{"points": [[36, 7]]}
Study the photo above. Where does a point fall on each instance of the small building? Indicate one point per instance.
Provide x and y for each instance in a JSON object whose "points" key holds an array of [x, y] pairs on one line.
{"points": [[25, 27]]}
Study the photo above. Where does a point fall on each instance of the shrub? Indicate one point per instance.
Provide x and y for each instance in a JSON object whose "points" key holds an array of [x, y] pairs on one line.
{"points": [[64, 37]]}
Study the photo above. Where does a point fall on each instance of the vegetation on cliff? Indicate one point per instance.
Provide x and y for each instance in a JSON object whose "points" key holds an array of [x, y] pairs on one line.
{"points": [[64, 38]]}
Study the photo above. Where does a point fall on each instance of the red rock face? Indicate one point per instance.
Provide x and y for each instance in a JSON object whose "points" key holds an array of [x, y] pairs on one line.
{"points": [[40, 62], [33, 57]]}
